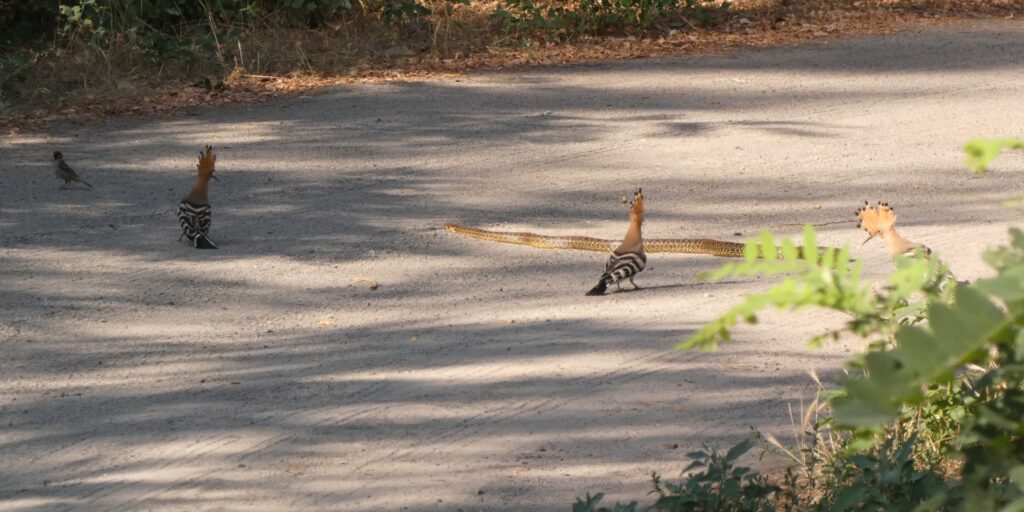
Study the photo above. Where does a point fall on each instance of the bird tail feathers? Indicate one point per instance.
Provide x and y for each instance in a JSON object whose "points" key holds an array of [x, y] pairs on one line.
{"points": [[602, 286], [201, 242]]}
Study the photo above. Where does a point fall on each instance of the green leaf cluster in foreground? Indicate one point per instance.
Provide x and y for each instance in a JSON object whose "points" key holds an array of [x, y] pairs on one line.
{"points": [[825, 278], [930, 418], [981, 152]]}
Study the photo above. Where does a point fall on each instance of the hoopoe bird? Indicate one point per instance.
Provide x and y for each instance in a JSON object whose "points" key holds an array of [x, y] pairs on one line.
{"points": [[194, 210], [628, 259], [64, 171], [880, 221]]}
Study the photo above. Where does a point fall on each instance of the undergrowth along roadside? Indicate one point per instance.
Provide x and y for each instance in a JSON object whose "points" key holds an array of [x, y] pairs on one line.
{"points": [[120, 39], [929, 418], [87, 59]]}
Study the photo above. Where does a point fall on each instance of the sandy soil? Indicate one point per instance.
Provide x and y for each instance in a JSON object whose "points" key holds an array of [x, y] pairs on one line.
{"points": [[140, 374]]}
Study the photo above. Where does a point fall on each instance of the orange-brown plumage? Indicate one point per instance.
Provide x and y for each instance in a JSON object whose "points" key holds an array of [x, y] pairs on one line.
{"points": [[199, 195], [634, 240], [880, 221]]}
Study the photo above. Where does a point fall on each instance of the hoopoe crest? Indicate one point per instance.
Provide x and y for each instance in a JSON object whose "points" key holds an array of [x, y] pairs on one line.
{"points": [[880, 221], [207, 162], [877, 219]]}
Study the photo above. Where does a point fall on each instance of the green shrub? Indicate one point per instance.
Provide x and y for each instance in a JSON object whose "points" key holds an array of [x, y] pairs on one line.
{"points": [[592, 504], [884, 478], [572, 18], [22, 21], [717, 485], [932, 415]]}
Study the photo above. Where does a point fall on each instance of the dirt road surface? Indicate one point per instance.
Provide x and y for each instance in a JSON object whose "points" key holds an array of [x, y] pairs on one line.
{"points": [[140, 374]]}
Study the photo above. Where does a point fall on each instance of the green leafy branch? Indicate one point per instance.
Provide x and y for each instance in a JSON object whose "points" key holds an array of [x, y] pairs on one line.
{"points": [[981, 152], [824, 278], [955, 335]]}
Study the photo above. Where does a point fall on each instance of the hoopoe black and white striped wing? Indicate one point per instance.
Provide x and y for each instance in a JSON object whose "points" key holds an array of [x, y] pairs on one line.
{"points": [[620, 266], [624, 266], [194, 220]]}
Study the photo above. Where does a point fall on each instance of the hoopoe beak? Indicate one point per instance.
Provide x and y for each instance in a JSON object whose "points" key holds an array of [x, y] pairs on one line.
{"points": [[866, 240], [214, 176]]}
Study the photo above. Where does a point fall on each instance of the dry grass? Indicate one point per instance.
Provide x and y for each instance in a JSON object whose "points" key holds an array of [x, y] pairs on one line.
{"points": [[80, 81]]}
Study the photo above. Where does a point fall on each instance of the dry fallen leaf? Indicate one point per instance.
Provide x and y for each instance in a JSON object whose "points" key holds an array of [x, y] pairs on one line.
{"points": [[296, 469], [370, 284]]}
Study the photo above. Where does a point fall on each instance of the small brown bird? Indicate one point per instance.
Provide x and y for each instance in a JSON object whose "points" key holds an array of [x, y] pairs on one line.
{"points": [[64, 171], [194, 213]]}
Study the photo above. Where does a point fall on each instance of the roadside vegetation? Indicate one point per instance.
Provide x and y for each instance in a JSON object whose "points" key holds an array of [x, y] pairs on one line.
{"points": [[74, 59], [930, 417]]}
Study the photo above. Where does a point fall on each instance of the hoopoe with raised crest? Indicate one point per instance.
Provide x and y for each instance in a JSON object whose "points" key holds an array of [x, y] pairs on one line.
{"points": [[194, 210], [880, 221], [628, 259]]}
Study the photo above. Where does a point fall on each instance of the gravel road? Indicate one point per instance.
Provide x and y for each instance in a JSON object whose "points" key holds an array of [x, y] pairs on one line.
{"points": [[341, 351]]}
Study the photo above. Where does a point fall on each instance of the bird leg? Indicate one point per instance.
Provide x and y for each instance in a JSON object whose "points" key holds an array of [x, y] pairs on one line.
{"points": [[635, 287]]}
